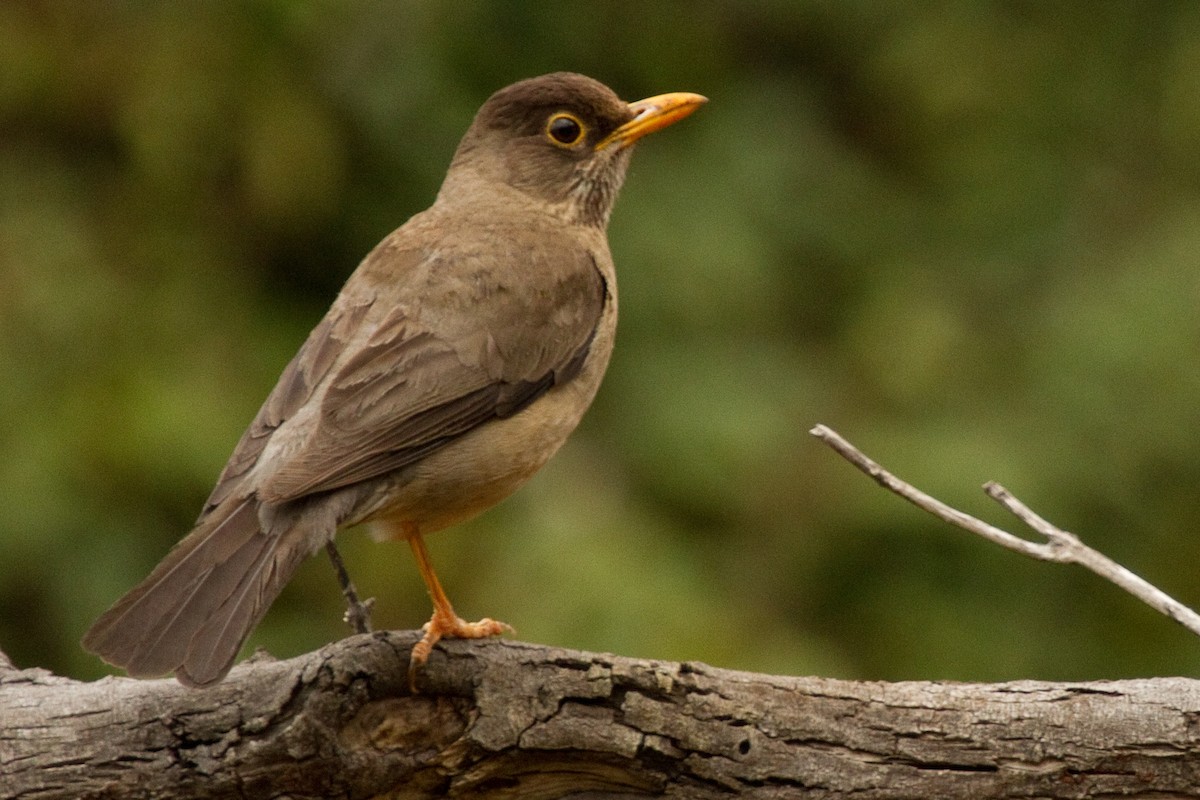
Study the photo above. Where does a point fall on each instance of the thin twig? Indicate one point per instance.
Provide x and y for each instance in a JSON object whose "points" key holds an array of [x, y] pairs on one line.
{"points": [[1060, 546]]}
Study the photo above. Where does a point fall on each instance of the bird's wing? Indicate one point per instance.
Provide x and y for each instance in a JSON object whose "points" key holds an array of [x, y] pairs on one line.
{"points": [[474, 350]]}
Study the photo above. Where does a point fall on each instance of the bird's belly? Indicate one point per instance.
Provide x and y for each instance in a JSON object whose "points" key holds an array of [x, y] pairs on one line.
{"points": [[480, 468]]}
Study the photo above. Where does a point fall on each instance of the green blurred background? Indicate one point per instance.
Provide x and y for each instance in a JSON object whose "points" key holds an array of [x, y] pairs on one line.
{"points": [[964, 234]]}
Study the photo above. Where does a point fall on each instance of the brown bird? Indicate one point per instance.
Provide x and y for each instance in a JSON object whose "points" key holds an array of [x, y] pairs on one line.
{"points": [[453, 364]]}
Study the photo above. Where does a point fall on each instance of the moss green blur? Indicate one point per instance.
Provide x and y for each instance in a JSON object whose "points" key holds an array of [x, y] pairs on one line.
{"points": [[964, 234]]}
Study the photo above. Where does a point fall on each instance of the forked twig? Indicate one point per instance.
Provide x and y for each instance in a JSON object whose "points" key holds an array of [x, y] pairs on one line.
{"points": [[1060, 546]]}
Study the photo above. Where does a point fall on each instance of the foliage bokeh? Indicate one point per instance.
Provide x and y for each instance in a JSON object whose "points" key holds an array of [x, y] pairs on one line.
{"points": [[963, 234]]}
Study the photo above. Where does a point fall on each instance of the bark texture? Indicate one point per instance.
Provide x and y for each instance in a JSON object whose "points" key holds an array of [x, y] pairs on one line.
{"points": [[504, 720]]}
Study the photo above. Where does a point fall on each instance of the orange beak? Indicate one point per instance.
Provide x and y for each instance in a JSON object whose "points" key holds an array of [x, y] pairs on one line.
{"points": [[652, 114]]}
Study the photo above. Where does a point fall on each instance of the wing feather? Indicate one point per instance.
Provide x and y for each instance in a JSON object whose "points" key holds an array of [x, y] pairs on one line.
{"points": [[470, 350]]}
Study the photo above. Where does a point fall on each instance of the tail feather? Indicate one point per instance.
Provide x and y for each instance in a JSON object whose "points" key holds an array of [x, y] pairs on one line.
{"points": [[194, 611], [202, 605], [218, 639]]}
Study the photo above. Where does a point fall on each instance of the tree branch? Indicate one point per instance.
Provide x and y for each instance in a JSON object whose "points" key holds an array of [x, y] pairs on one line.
{"points": [[502, 719], [1060, 546], [497, 719]]}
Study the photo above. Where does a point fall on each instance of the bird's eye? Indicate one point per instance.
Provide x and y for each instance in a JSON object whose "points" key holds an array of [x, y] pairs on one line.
{"points": [[564, 129]]}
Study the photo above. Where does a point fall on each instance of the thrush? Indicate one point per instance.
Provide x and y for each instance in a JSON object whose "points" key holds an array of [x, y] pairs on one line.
{"points": [[455, 361]]}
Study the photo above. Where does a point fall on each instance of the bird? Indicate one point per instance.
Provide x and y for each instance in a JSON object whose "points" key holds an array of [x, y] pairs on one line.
{"points": [[454, 362]]}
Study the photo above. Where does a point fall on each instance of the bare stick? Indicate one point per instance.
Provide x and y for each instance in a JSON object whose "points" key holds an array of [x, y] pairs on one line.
{"points": [[1060, 546]]}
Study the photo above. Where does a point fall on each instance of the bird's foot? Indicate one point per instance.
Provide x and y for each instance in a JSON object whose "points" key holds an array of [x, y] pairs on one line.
{"points": [[358, 612], [449, 626]]}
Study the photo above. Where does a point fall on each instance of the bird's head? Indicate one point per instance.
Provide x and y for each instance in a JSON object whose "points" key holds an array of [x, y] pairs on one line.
{"points": [[563, 140]]}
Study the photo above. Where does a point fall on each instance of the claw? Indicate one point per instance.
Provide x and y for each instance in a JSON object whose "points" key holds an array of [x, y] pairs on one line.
{"points": [[444, 624]]}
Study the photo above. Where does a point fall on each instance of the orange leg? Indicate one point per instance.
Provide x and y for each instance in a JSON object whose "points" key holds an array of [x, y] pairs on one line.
{"points": [[444, 623]]}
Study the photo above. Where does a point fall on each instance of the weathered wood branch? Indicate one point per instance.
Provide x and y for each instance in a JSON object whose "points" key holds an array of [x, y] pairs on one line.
{"points": [[1060, 546], [504, 719]]}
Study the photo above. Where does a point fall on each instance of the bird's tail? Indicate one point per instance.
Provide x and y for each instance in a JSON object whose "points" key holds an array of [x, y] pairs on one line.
{"points": [[194, 611]]}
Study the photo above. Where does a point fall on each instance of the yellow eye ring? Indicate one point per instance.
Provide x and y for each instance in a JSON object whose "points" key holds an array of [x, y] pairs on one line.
{"points": [[565, 130]]}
